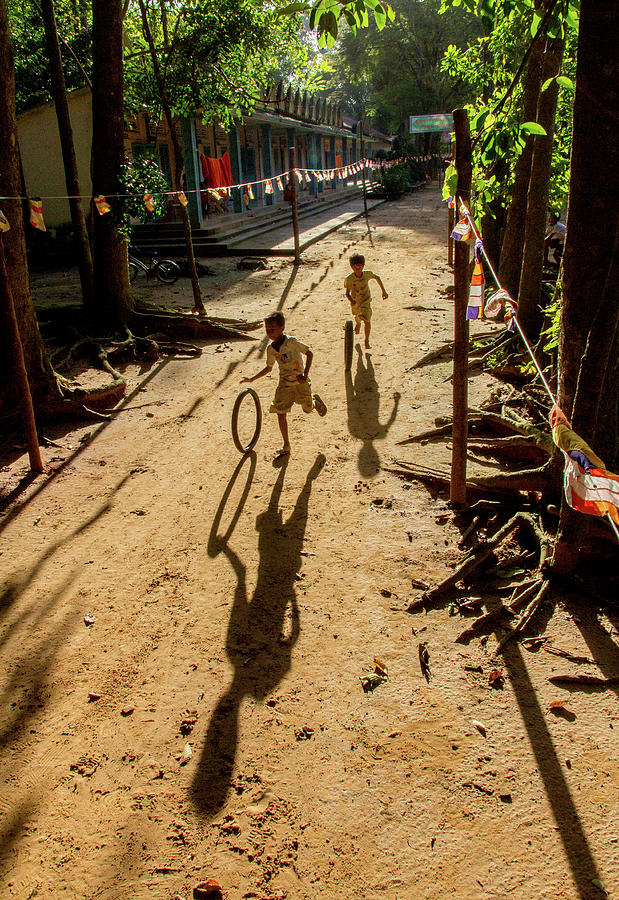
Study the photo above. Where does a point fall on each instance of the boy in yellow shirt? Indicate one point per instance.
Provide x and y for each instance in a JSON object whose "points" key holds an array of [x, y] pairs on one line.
{"points": [[357, 289], [294, 384]]}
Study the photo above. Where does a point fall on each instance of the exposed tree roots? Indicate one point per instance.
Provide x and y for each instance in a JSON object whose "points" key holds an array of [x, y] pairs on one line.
{"points": [[502, 552], [151, 331]]}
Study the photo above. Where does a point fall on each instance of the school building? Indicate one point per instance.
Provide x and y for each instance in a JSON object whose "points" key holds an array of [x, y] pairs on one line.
{"points": [[251, 151]]}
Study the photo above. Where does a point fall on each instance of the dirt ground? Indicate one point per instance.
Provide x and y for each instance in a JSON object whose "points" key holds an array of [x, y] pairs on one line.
{"points": [[210, 721]]}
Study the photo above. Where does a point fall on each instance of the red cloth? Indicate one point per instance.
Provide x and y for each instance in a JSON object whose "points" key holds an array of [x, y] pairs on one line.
{"points": [[219, 171]]}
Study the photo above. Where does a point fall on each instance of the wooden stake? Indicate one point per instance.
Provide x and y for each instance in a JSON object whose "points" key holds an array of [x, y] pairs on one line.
{"points": [[295, 212], [7, 315], [457, 490], [450, 244]]}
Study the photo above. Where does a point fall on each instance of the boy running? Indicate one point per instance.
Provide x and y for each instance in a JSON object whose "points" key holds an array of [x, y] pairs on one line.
{"points": [[294, 384], [358, 292]]}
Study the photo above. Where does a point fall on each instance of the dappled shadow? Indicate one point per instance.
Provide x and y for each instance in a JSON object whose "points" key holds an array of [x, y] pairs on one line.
{"points": [[565, 813], [363, 404], [261, 348], [47, 478], [262, 630], [32, 639]]}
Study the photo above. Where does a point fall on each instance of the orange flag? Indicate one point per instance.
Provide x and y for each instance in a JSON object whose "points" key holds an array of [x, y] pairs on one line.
{"points": [[36, 214], [102, 205]]}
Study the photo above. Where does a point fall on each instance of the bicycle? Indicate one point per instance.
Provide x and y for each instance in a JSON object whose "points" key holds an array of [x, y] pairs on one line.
{"points": [[165, 270]]}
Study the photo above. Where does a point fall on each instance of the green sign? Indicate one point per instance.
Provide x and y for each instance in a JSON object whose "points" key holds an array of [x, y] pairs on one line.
{"points": [[437, 122]]}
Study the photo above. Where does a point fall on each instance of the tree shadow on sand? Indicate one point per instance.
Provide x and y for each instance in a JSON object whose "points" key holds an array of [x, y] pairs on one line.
{"points": [[262, 631], [363, 403]]}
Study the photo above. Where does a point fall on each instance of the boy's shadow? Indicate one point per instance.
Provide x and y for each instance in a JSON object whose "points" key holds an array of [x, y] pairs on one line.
{"points": [[261, 632], [363, 402]]}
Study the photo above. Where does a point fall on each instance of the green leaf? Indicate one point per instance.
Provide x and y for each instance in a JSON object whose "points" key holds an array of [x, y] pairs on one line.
{"points": [[565, 82], [380, 17], [547, 84], [292, 8], [451, 182], [532, 128]]}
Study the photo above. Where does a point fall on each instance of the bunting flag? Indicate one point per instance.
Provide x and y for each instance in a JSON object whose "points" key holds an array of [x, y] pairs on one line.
{"points": [[149, 201], [462, 231], [279, 183], [182, 199], [36, 214], [308, 177], [299, 176], [102, 205], [319, 176], [589, 487], [268, 187], [475, 308], [4, 222], [498, 301], [249, 191]]}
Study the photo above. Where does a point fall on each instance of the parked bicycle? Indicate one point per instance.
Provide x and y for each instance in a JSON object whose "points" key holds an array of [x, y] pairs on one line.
{"points": [[166, 270]]}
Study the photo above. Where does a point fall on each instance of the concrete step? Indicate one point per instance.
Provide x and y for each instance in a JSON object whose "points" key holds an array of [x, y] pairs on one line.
{"points": [[215, 240]]}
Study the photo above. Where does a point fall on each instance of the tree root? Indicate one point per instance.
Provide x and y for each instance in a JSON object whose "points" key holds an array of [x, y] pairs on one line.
{"points": [[539, 589], [480, 554], [151, 318], [506, 483]]}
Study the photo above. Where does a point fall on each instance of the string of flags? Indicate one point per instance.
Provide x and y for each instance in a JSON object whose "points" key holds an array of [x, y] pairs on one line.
{"points": [[103, 206], [588, 486]]}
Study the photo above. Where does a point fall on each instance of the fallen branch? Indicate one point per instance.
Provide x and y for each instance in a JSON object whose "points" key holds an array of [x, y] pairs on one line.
{"points": [[526, 616], [571, 656], [592, 680], [479, 555]]}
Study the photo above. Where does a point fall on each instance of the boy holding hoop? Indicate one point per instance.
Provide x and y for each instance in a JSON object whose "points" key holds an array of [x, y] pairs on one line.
{"points": [[294, 384], [357, 286]]}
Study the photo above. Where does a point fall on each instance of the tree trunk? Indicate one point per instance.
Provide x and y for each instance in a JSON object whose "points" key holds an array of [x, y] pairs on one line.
{"points": [[179, 162], [513, 240], [59, 92], [588, 389], [529, 294], [41, 376], [113, 302]]}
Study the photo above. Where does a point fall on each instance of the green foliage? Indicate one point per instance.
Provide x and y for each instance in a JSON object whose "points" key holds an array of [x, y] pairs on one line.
{"points": [[396, 72], [32, 83], [392, 182], [216, 55], [488, 66], [139, 176], [325, 16]]}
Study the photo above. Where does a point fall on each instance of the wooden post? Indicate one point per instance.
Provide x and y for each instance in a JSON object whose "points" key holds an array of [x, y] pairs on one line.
{"points": [[451, 221], [457, 490], [9, 323], [295, 212], [365, 199]]}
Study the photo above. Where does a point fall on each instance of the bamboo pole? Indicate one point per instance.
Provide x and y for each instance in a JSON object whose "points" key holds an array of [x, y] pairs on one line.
{"points": [[457, 490], [295, 211], [9, 321]]}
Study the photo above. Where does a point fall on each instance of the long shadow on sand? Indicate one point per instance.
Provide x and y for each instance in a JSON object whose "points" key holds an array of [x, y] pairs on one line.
{"points": [[363, 403], [262, 630]]}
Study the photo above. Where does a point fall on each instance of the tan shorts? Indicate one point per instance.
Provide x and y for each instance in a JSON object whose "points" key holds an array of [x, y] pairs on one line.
{"points": [[362, 313], [288, 393]]}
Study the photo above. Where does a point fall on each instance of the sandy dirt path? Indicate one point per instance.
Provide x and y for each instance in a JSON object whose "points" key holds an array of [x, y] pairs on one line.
{"points": [[237, 604]]}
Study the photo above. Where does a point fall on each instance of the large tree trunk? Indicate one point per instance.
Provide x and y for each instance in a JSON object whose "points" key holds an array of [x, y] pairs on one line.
{"points": [[513, 239], [529, 292], [113, 303], [179, 163], [59, 92], [42, 380], [588, 389]]}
